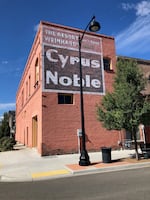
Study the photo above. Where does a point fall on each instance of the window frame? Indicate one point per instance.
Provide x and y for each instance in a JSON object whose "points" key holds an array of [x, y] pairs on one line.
{"points": [[107, 66], [62, 98]]}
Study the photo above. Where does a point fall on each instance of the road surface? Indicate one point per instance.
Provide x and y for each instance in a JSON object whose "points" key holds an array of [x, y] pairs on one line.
{"points": [[124, 185]]}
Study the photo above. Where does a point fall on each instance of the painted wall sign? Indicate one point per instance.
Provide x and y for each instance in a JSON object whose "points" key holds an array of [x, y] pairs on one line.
{"points": [[61, 61]]}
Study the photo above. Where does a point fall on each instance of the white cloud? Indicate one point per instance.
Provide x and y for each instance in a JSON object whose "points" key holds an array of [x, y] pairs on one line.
{"points": [[143, 8], [7, 106], [135, 39], [127, 6]]}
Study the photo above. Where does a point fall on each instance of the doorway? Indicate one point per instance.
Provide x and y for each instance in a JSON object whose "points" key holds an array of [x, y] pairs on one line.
{"points": [[34, 131]]}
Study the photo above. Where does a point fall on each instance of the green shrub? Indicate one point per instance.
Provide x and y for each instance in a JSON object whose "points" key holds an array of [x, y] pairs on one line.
{"points": [[7, 143]]}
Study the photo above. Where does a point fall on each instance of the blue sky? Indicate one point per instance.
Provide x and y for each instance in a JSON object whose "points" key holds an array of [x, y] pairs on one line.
{"points": [[127, 20]]}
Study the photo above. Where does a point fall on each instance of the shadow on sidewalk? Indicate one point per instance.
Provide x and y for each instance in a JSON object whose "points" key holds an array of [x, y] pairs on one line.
{"points": [[19, 146]]}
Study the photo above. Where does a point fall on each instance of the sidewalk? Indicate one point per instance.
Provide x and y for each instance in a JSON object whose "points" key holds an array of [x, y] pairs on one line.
{"points": [[26, 164]]}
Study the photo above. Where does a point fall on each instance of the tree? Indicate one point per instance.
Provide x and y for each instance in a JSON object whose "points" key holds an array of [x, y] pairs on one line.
{"points": [[4, 128], [125, 106], [6, 142]]}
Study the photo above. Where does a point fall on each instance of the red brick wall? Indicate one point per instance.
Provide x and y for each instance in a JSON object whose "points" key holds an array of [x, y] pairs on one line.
{"points": [[60, 124]]}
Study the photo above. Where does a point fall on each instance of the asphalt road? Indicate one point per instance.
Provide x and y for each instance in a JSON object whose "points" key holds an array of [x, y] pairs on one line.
{"points": [[124, 185]]}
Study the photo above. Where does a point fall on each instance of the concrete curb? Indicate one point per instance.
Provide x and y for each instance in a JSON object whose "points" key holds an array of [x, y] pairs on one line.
{"points": [[110, 168], [15, 179]]}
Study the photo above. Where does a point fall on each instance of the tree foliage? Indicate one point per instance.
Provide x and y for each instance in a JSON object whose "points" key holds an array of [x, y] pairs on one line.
{"points": [[4, 128], [6, 142], [125, 107]]}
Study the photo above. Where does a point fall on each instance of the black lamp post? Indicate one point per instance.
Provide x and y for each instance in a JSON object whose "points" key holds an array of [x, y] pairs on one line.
{"points": [[84, 157]]}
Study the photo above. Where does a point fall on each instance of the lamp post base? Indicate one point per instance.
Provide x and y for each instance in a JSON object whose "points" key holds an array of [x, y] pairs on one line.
{"points": [[84, 158]]}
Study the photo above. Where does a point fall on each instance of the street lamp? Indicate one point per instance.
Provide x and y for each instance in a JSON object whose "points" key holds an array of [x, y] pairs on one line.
{"points": [[84, 157]]}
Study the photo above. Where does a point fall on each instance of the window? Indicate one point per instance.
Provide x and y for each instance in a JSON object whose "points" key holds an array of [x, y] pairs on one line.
{"points": [[26, 90], [22, 97], [29, 85], [107, 64], [65, 98], [36, 72]]}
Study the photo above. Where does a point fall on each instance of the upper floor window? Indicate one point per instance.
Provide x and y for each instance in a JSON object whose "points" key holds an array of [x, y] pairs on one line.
{"points": [[65, 98], [22, 97], [36, 71], [29, 85], [107, 64], [27, 90]]}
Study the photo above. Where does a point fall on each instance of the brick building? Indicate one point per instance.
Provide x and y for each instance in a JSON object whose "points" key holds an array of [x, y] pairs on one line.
{"points": [[48, 97]]}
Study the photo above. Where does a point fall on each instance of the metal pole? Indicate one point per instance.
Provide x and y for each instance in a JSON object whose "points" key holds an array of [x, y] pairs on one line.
{"points": [[84, 157]]}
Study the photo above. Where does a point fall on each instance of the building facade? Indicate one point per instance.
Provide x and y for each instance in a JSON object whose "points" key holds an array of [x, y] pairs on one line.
{"points": [[48, 97]]}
